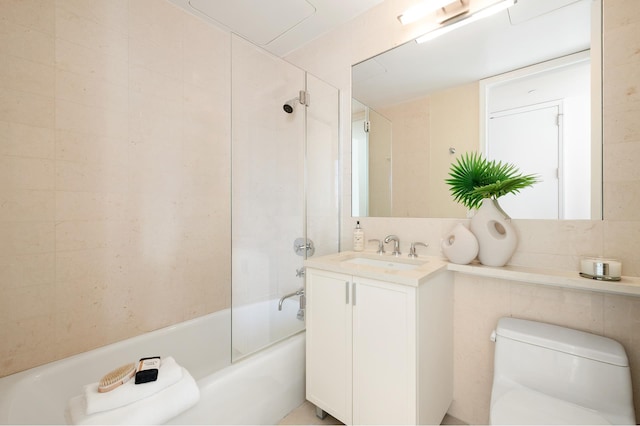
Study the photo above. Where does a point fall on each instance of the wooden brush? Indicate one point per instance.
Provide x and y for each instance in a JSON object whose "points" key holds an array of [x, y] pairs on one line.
{"points": [[117, 377]]}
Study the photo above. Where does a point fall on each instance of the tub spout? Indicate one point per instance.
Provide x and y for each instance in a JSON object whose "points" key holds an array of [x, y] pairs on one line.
{"points": [[299, 292]]}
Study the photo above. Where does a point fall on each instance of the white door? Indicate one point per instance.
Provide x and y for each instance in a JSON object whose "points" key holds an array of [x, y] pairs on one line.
{"points": [[384, 353], [530, 138], [329, 325]]}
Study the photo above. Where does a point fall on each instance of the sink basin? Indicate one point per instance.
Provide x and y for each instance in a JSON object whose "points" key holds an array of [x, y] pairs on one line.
{"points": [[403, 270], [382, 263]]}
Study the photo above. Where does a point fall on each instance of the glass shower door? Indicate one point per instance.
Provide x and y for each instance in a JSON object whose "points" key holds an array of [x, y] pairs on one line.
{"points": [[267, 197], [322, 167], [284, 192]]}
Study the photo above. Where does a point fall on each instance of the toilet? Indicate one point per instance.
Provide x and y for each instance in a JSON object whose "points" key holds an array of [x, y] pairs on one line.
{"points": [[546, 374]]}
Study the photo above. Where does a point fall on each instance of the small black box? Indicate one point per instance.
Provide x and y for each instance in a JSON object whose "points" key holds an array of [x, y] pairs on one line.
{"points": [[147, 370]]}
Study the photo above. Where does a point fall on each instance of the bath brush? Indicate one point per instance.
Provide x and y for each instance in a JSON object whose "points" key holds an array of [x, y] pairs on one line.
{"points": [[117, 377]]}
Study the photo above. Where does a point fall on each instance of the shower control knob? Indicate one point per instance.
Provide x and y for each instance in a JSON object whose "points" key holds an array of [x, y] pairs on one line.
{"points": [[304, 247]]}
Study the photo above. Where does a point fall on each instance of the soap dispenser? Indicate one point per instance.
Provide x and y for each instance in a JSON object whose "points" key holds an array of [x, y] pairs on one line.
{"points": [[358, 238]]}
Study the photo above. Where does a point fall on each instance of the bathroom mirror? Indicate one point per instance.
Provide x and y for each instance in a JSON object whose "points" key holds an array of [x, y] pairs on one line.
{"points": [[418, 107]]}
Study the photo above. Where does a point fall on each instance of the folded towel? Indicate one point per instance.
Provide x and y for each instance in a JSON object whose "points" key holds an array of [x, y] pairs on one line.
{"points": [[154, 409], [169, 373]]}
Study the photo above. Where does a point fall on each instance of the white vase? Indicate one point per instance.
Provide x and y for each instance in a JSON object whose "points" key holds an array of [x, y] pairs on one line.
{"points": [[460, 245], [496, 235]]}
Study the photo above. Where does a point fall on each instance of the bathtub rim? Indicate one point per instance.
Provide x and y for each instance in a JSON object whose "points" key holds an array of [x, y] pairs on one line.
{"points": [[11, 386], [114, 345]]}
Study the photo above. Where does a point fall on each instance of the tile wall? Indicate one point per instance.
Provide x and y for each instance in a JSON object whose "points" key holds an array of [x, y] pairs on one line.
{"points": [[114, 173], [417, 163]]}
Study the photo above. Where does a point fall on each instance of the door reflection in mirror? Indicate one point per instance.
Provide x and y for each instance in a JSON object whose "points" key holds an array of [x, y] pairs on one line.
{"points": [[535, 118]]}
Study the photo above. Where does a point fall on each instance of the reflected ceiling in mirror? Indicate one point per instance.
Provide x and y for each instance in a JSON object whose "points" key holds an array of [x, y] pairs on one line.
{"points": [[429, 98]]}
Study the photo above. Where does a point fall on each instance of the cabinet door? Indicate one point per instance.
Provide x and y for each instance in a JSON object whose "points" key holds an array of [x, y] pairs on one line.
{"points": [[384, 353], [329, 342]]}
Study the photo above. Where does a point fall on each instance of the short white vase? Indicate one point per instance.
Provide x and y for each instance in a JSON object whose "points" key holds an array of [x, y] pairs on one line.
{"points": [[497, 238], [460, 245]]}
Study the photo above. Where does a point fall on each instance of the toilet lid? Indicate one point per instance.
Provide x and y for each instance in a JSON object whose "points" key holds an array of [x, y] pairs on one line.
{"points": [[525, 406]]}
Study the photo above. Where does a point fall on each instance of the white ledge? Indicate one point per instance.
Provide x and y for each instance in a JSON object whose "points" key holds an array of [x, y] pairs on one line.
{"points": [[628, 286]]}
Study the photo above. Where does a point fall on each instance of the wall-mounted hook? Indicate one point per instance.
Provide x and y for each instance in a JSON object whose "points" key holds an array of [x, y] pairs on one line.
{"points": [[452, 150]]}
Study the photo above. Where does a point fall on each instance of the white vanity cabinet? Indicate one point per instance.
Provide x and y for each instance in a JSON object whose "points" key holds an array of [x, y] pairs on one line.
{"points": [[379, 352]]}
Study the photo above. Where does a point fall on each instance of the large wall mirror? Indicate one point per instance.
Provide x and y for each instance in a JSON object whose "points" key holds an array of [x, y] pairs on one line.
{"points": [[522, 86]]}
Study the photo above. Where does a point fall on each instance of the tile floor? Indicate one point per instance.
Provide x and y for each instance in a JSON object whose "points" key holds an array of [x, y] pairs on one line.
{"points": [[305, 414]]}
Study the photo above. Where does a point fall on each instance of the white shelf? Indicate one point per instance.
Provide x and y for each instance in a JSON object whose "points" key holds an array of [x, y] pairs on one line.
{"points": [[628, 286], [429, 266]]}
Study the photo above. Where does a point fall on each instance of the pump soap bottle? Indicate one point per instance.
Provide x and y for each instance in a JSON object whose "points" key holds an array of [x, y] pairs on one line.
{"points": [[358, 238]]}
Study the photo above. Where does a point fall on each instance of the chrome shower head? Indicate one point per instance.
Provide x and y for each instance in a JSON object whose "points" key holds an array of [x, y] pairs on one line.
{"points": [[290, 105]]}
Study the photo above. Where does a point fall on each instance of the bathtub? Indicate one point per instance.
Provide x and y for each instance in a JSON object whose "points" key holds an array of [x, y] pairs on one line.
{"points": [[259, 389]]}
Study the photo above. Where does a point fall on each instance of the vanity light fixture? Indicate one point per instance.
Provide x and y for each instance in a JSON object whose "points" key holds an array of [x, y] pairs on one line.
{"points": [[422, 9], [463, 20]]}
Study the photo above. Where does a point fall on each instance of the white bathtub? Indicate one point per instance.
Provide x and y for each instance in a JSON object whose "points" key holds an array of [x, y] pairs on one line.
{"points": [[260, 389]]}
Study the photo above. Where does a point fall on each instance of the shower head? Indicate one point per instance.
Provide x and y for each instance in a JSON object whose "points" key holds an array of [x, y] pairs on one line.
{"points": [[302, 99], [290, 105]]}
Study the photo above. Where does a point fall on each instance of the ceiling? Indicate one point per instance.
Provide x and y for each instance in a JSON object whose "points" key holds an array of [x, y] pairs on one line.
{"points": [[494, 45], [278, 26]]}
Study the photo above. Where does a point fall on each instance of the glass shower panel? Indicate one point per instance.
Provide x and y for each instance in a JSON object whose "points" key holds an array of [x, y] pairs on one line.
{"points": [[323, 167], [267, 197]]}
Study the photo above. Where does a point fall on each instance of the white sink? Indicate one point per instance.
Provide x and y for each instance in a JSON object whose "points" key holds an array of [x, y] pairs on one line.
{"points": [[382, 263], [394, 269]]}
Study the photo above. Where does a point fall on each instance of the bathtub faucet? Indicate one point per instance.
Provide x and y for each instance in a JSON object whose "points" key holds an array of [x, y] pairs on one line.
{"points": [[299, 292]]}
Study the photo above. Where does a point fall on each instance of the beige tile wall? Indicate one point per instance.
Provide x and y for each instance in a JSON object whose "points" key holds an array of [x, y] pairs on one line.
{"points": [[410, 151], [114, 173], [418, 165], [621, 132], [380, 164]]}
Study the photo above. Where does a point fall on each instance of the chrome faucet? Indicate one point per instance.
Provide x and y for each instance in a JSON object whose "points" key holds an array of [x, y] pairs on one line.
{"points": [[299, 292], [303, 302], [396, 244], [380, 245], [412, 249]]}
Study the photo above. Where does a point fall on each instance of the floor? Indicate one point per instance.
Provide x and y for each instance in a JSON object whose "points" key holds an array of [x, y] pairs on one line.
{"points": [[305, 414]]}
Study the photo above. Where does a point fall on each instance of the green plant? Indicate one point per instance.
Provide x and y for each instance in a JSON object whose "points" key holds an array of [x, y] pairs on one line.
{"points": [[473, 178]]}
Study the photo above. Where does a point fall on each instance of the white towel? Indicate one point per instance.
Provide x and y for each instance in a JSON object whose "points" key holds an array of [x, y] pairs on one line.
{"points": [[155, 409], [169, 373]]}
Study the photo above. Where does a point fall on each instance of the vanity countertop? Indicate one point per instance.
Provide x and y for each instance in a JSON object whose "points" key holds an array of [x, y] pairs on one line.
{"points": [[347, 262], [372, 265]]}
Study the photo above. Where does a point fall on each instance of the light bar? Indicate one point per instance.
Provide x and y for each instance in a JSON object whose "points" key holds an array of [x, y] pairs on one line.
{"points": [[422, 9], [483, 13]]}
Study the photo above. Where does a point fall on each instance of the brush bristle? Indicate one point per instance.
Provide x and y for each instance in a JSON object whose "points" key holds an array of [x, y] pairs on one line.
{"points": [[117, 377]]}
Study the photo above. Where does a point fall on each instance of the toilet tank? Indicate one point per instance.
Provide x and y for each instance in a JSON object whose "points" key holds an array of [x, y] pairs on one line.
{"points": [[581, 368]]}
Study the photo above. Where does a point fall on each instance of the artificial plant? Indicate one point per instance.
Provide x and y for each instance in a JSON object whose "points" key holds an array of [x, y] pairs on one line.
{"points": [[473, 178]]}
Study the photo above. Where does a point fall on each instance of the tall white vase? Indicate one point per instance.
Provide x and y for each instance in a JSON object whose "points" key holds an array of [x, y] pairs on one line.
{"points": [[460, 245], [497, 239]]}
